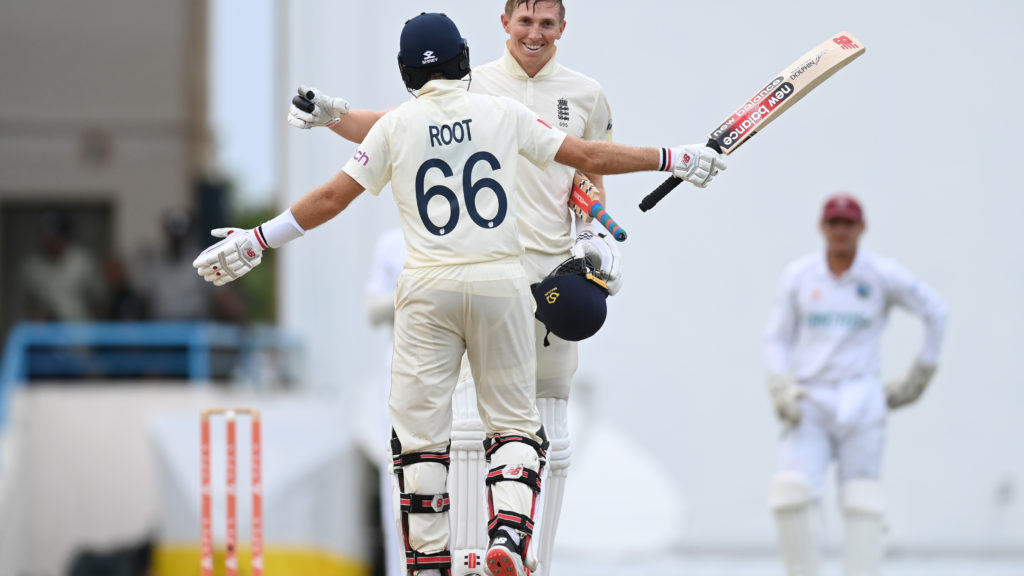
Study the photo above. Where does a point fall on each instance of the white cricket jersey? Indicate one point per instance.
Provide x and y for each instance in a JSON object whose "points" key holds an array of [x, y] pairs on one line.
{"points": [[452, 159], [568, 101], [388, 256], [827, 329]]}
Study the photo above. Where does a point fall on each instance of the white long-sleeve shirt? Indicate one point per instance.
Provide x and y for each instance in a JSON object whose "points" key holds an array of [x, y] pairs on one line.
{"points": [[568, 101], [825, 328]]}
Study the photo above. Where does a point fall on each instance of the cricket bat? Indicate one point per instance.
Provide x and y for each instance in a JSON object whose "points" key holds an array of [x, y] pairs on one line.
{"points": [[582, 200], [781, 92]]}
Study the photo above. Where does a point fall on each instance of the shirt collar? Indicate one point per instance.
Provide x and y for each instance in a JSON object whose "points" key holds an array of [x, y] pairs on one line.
{"points": [[439, 87], [852, 271], [515, 70]]}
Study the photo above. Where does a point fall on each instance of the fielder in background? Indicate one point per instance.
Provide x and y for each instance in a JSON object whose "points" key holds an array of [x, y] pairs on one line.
{"points": [[822, 353], [575, 104], [388, 258], [452, 158]]}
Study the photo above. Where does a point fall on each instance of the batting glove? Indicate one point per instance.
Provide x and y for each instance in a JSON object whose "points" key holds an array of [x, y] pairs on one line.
{"points": [[596, 244], [231, 258], [326, 110], [695, 163], [899, 393], [786, 395]]}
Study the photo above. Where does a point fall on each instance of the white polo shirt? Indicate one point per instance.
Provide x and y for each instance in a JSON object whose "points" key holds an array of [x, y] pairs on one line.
{"points": [[568, 101], [825, 328], [452, 158]]}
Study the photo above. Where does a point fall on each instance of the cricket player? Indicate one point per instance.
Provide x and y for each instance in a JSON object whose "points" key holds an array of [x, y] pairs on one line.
{"points": [[822, 353], [451, 157], [528, 72]]}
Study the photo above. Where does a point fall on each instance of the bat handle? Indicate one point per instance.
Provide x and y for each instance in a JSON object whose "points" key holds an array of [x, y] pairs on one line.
{"points": [[669, 184], [660, 192], [597, 211], [303, 104]]}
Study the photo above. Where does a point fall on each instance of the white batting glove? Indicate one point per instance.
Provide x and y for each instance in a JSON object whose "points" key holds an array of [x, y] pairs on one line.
{"points": [[695, 163], [595, 243], [327, 110], [231, 258], [786, 395], [899, 393]]}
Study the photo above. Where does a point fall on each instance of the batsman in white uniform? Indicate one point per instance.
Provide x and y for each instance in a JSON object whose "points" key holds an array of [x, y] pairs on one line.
{"points": [[822, 353], [452, 159], [575, 104]]}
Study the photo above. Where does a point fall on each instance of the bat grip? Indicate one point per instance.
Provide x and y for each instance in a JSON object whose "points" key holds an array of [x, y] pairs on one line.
{"points": [[660, 192], [597, 211], [303, 104], [669, 184]]}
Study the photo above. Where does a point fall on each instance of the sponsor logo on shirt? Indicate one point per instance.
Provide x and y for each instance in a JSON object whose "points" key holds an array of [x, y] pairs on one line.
{"points": [[838, 320], [863, 290]]}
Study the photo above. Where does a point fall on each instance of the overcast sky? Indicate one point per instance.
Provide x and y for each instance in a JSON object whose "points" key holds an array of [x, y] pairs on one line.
{"points": [[241, 108]]}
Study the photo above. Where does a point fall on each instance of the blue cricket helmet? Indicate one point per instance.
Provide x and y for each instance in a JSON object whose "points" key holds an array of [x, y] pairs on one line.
{"points": [[572, 300], [431, 43]]}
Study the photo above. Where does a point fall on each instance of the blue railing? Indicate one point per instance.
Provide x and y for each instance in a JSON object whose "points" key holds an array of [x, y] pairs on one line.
{"points": [[174, 350]]}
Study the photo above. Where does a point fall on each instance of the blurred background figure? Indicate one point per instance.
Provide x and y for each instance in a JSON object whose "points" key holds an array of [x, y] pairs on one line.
{"points": [[62, 282], [124, 302], [824, 377], [388, 258], [175, 293]]}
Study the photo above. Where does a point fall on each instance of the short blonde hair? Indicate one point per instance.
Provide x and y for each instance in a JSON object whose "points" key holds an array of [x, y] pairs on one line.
{"points": [[511, 5]]}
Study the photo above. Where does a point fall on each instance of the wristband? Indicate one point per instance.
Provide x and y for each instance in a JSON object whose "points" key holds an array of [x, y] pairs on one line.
{"points": [[278, 231], [666, 160]]}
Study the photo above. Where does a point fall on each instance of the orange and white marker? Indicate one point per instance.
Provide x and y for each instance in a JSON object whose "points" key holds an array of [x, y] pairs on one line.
{"points": [[206, 561]]}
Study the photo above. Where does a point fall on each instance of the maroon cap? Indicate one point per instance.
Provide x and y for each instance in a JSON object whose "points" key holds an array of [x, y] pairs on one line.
{"points": [[842, 206]]}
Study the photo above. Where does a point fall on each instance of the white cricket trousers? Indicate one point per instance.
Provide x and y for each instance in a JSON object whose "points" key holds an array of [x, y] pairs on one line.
{"points": [[486, 311], [842, 422]]}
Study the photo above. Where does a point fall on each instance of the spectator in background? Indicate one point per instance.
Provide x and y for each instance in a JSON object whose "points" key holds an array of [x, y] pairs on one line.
{"points": [[173, 290], [61, 281], [124, 302]]}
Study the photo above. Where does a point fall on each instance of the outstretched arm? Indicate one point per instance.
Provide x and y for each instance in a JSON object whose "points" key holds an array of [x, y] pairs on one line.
{"points": [[606, 157], [357, 124], [694, 163], [326, 201], [312, 108], [242, 250]]}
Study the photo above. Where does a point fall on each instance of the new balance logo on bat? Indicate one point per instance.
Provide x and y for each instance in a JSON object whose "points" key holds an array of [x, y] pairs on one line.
{"points": [[845, 43]]}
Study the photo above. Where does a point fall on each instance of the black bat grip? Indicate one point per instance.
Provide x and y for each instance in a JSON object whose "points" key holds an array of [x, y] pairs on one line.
{"points": [[302, 104], [669, 184], [660, 192]]}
